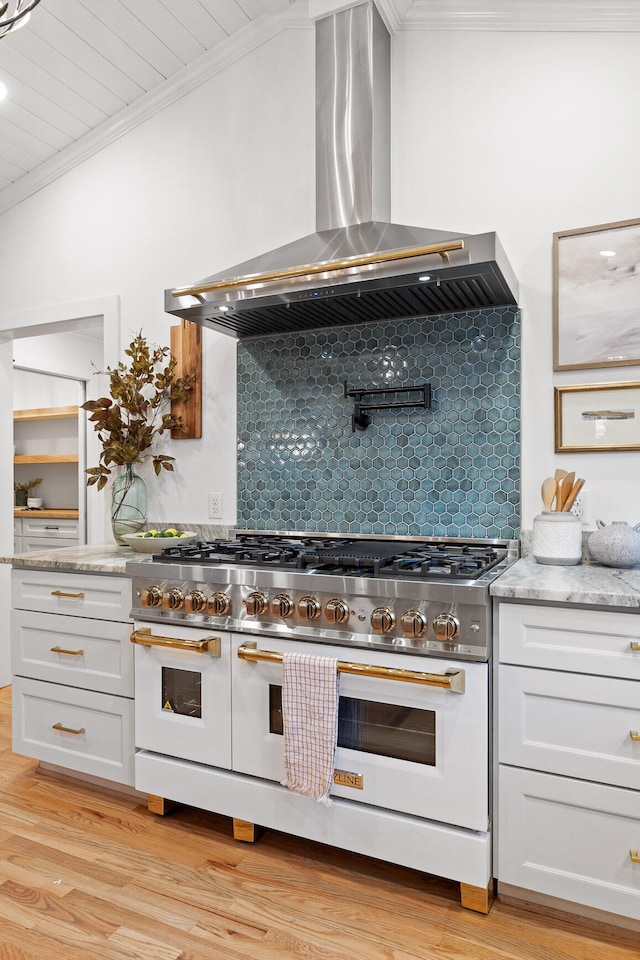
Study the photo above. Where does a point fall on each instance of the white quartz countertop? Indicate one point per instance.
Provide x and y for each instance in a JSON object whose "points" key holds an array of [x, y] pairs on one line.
{"points": [[108, 558], [585, 583]]}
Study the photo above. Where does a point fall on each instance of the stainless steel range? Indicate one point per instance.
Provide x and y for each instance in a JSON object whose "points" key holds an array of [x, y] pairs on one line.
{"points": [[409, 622]]}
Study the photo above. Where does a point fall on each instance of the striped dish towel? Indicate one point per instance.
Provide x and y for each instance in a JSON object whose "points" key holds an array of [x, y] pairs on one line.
{"points": [[310, 690]]}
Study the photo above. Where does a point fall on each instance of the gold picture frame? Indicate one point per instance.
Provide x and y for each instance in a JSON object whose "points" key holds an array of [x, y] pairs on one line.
{"points": [[596, 296], [601, 417]]}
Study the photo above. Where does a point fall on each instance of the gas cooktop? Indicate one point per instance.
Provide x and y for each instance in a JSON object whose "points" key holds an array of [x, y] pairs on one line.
{"points": [[343, 556]]}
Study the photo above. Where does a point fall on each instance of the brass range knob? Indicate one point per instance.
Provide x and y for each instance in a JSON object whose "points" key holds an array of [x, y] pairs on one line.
{"points": [[446, 627], [152, 597], [256, 604], [173, 599], [413, 623], [195, 602], [219, 604], [383, 620], [309, 608], [336, 611], [282, 606]]}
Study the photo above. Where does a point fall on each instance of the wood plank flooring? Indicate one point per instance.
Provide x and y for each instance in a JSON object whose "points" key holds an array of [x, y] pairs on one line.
{"points": [[88, 874]]}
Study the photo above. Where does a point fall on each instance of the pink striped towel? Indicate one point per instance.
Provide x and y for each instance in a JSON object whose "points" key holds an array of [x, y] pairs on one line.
{"points": [[310, 689]]}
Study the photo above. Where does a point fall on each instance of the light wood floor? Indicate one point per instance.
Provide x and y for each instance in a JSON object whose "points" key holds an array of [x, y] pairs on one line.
{"points": [[85, 874]]}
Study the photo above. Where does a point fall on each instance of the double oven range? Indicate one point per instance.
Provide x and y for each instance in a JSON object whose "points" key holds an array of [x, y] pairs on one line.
{"points": [[409, 621]]}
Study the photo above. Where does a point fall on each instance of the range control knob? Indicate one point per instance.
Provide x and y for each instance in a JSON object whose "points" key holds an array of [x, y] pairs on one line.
{"points": [[256, 604], [173, 599], [219, 604], [309, 608], [282, 606], [152, 597], [195, 602], [413, 623], [336, 611], [383, 620], [446, 627]]}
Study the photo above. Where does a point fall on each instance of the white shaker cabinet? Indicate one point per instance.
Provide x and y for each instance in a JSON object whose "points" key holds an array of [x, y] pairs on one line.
{"points": [[72, 667], [568, 716]]}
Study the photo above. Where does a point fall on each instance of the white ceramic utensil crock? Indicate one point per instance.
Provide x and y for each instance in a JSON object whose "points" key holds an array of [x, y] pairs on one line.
{"points": [[557, 538]]}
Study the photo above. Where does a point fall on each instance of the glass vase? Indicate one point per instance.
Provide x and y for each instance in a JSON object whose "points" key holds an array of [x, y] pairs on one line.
{"points": [[128, 504]]}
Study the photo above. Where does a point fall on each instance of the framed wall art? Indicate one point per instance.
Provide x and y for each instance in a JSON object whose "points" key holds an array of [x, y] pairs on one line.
{"points": [[600, 417], [596, 296]]}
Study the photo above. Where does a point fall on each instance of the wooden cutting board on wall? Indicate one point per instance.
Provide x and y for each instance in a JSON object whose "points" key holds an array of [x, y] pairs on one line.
{"points": [[186, 347]]}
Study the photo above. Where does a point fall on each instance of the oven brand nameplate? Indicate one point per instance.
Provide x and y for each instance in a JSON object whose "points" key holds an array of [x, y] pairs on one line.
{"points": [[346, 779]]}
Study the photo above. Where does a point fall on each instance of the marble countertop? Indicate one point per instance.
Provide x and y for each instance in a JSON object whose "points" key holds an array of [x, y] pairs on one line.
{"points": [[98, 559], [584, 583]]}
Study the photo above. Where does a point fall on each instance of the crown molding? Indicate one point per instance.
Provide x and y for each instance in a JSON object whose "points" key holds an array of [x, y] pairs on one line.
{"points": [[614, 16], [212, 62]]}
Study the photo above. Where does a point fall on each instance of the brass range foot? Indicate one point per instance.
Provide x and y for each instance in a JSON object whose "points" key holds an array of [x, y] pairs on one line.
{"points": [[477, 898], [160, 805], [246, 831]]}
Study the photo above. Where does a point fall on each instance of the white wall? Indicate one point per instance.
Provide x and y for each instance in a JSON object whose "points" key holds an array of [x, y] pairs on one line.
{"points": [[523, 133]]}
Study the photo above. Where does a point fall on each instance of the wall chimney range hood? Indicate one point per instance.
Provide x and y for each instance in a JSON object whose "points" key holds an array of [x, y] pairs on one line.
{"points": [[357, 267]]}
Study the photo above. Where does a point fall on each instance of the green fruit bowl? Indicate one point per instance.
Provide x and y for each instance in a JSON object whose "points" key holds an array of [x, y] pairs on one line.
{"points": [[143, 544]]}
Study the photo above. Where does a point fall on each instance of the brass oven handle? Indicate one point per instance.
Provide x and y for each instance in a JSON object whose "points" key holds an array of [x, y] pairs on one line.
{"points": [[325, 267], [452, 680], [58, 726], [635, 856], [71, 653], [210, 645], [634, 735], [69, 596], [635, 646]]}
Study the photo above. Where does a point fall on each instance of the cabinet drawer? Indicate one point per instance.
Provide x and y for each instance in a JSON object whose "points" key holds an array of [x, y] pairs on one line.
{"points": [[29, 544], [97, 596], [570, 839], [92, 654], [50, 528], [98, 734], [602, 642], [570, 724]]}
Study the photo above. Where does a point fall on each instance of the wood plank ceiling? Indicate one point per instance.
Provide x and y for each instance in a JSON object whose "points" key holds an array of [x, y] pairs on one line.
{"points": [[82, 71]]}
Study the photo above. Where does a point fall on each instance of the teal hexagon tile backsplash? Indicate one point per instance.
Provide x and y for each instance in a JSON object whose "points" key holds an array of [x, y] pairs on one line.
{"points": [[450, 471]]}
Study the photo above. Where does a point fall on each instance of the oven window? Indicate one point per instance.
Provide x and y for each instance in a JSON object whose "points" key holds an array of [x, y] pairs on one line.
{"points": [[181, 692], [385, 729]]}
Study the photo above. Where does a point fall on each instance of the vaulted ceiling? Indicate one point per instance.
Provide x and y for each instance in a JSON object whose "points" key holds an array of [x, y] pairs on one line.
{"points": [[82, 72]]}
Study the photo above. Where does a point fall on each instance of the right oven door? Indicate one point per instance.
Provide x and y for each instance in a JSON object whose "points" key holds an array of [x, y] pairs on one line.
{"points": [[410, 747]]}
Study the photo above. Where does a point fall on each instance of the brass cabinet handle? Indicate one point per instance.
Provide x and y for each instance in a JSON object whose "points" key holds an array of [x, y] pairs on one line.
{"points": [[58, 726], [634, 734], [69, 596], [70, 653], [635, 646], [211, 645], [635, 856], [452, 680]]}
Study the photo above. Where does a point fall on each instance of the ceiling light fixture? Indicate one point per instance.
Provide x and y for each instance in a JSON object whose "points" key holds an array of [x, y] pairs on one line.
{"points": [[14, 14]]}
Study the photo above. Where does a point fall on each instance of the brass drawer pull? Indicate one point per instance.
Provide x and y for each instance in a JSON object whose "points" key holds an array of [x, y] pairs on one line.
{"points": [[635, 646], [58, 726], [451, 680], [634, 735], [635, 856], [70, 653], [69, 596], [211, 645]]}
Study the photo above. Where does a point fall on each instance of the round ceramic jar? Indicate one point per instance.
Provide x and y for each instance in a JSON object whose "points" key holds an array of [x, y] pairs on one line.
{"points": [[616, 545], [557, 538]]}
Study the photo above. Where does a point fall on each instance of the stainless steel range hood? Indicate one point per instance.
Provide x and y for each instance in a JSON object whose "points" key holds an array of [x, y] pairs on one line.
{"points": [[357, 267]]}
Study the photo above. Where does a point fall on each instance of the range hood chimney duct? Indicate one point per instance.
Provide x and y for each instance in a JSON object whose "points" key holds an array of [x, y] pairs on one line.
{"points": [[357, 267]]}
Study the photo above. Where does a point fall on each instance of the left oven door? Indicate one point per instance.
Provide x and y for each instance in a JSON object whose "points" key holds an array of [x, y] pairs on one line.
{"points": [[183, 692]]}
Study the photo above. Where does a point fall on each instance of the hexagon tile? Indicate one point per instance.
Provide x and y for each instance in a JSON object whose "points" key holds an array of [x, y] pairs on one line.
{"points": [[450, 471]]}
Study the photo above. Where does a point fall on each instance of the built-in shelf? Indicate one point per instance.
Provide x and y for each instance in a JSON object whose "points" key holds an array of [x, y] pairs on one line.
{"points": [[47, 513], [46, 458], [46, 413]]}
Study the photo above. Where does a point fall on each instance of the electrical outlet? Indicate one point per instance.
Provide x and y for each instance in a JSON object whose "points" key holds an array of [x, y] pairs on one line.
{"points": [[215, 506], [581, 507]]}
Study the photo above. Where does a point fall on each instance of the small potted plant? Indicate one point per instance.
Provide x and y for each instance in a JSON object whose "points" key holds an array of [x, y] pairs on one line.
{"points": [[128, 422], [22, 491]]}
